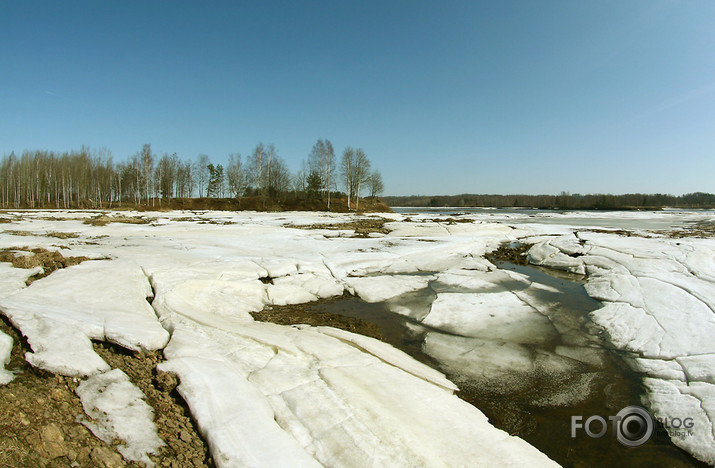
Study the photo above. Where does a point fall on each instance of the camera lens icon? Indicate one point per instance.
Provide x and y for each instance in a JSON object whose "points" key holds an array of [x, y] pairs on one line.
{"points": [[634, 426]]}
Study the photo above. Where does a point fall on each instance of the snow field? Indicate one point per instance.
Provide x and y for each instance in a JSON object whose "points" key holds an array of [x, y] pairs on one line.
{"points": [[265, 394]]}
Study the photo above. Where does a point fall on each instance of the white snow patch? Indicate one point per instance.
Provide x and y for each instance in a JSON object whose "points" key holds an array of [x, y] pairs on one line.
{"points": [[546, 254], [630, 328], [5, 350], [202, 299], [319, 285], [13, 279], [118, 412], [236, 420], [666, 370], [320, 395]]}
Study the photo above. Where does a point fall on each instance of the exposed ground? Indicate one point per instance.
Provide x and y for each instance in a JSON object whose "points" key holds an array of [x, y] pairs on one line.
{"points": [[704, 229], [24, 257], [103, 220], [39, 414], [362, 227], [513, 254], [298, 314]]}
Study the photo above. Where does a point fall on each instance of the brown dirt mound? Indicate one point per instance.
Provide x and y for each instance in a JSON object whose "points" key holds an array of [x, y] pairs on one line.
{"points": [[185, 448], [63, 235], [103, 220], [48, 260], [362, 227]]}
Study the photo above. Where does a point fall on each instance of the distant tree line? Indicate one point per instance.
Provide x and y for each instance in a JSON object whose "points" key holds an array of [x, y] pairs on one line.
{"points": [[563, 201], [89, 178]]}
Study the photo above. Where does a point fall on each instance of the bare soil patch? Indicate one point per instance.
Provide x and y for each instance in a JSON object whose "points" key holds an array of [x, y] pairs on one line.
{"points": [[63, 235], [49, 261], [703, 230], [513, 254], [20, 233], [453, 220], [39, 414], [297, 314], [103, 220], [361, 227], [185, 447]]}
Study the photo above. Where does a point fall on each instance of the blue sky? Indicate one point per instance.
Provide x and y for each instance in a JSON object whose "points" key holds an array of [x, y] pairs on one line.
{"points": [[444, 97]]}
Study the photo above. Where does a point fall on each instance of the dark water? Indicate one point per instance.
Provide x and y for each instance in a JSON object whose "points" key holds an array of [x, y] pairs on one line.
{"points": [[536, 405]]}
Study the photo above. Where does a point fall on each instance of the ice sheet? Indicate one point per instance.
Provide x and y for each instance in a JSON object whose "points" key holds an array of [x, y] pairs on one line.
{"points": [[672, 400], [60, 314], [384, 287], [489, 315], [659, 302], [325, 396], [504, 368]]}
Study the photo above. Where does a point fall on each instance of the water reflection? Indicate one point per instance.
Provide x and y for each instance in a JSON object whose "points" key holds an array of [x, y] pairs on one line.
{"points": [[529, 380]]}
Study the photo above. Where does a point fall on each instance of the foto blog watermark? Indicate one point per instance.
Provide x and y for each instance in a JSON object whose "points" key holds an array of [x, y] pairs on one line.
{"points": [[633, 426]]}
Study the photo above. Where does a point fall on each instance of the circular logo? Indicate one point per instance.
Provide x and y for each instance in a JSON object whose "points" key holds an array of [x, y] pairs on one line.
{"points": [[634, 426]]}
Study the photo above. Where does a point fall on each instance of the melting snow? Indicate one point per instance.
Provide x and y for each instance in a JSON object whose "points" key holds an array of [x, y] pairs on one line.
{"points": [[265, 394]]}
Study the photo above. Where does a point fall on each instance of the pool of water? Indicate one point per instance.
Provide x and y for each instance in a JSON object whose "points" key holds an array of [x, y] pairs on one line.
{"points": [[533, 388]]}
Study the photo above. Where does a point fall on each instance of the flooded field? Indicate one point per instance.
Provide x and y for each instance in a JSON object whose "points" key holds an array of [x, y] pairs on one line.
{"points": [[529, 389]]}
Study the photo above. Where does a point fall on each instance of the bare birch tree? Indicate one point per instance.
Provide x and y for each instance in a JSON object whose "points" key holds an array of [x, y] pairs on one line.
{"points": [[236, 175], [361, 174], [347, 165], [201, 173], [375, 184]]}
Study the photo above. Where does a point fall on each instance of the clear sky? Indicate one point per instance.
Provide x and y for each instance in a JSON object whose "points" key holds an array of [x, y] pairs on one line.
{"points": [[444, 97]]}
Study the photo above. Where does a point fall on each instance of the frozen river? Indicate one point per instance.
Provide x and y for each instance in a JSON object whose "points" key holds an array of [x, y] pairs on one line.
{"points": [[635, 220], [527, 349]]}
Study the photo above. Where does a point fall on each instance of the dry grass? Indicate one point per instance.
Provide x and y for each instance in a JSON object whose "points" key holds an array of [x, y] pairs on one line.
{"points": [[63, 235], [20, 233], [11, 449], [361, 227], [703, 230], [103, 220], [49, 261]]}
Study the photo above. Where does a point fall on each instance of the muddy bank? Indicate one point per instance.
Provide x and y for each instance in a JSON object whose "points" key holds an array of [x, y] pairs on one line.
{"points": [[307, 314]]}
